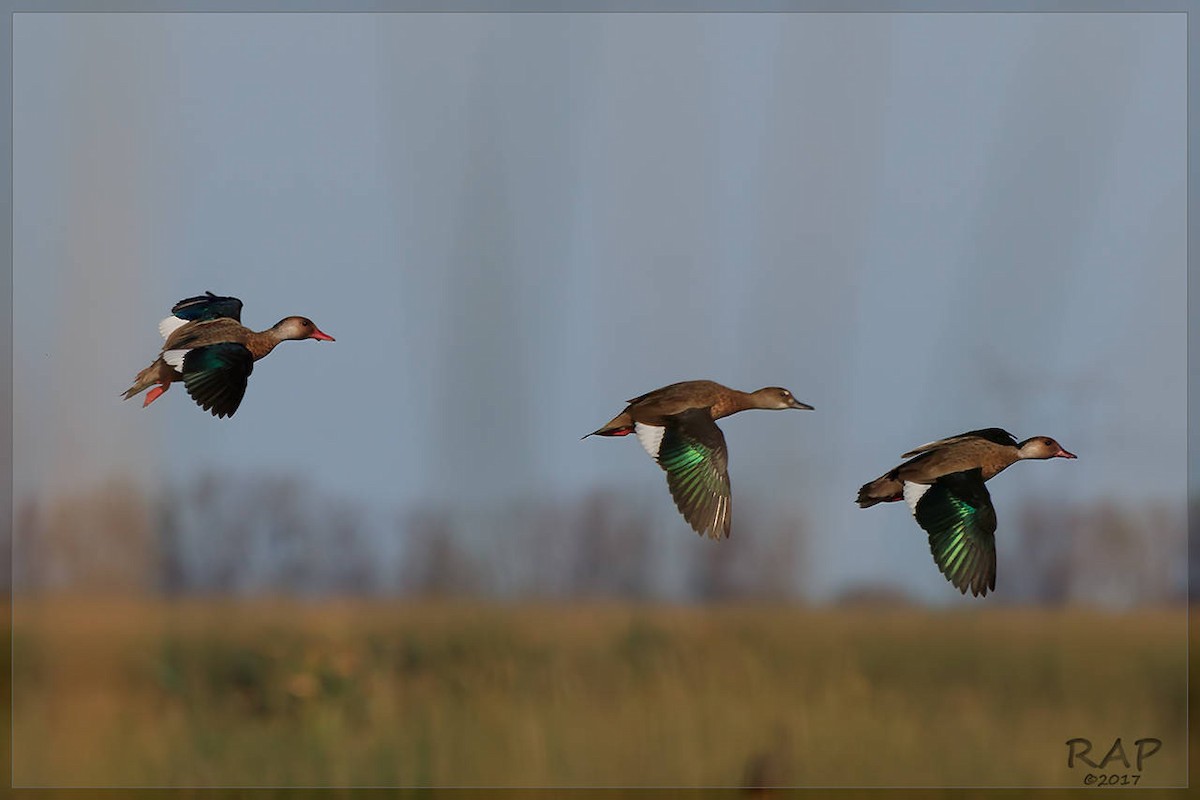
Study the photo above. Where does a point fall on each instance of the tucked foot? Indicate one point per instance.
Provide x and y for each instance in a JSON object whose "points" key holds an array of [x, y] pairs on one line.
{"points": [[155, 393], [611, 432], [617, 432]]}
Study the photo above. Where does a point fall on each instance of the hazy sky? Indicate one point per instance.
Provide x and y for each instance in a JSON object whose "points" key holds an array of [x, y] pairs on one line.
{"points": [[920, 224]]}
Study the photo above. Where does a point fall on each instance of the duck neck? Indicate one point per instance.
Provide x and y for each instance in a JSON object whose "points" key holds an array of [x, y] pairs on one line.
{"points": [[731, 402], [1000, 460], [259, 343]]}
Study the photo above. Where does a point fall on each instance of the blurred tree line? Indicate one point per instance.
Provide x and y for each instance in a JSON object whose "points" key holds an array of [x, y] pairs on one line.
{"points": [[250, 534]]}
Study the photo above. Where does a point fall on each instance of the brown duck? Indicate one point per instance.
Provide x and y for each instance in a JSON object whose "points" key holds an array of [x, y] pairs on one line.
{"points": [[942, 482], [207, 347], [677, 426]]}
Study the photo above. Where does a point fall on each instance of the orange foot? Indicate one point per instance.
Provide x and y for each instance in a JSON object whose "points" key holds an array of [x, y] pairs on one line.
{"points": [[155, 393]]}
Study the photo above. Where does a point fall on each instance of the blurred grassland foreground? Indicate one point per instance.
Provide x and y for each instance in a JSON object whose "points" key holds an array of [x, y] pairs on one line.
{"points": [[219, 692]]}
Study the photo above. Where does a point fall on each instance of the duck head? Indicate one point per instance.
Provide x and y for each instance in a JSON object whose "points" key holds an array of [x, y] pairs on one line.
{"points": [[776, 397], [1042, 447], [299, 328]]}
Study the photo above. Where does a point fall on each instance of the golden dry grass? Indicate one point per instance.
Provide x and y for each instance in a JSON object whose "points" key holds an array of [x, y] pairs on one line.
{"points": [[212, 693]]}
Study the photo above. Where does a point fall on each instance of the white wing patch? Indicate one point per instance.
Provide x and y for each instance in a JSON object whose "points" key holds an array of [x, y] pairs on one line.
{"points": [[175, 358], [170, 325], [650, 436], [913, 492]]}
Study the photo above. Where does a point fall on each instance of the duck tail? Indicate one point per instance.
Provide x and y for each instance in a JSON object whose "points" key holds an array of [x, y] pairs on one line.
{"points": [[145, 379], [884, 489], [620, 425]]}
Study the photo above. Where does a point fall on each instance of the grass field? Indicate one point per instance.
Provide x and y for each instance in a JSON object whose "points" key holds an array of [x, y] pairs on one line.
{"points": [[220, 693]]}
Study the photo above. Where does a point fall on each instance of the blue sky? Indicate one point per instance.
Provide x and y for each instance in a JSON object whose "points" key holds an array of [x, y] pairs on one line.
{"points": [[920, 224]]}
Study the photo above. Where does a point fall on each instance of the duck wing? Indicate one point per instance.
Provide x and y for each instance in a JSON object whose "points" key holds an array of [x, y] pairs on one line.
{"points": [[957, 513], [994, 435], [215, 376], [201, 308], [691, 450], [676, 398]]}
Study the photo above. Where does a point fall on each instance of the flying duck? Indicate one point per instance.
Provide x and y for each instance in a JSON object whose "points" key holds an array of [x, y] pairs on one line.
{"points": [[677, 426], [207, 347], [942, 482]]}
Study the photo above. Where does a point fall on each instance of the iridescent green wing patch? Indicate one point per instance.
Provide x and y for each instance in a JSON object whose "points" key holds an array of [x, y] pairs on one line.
{"points": [[696, 462], [957, 514], [215, 376]]}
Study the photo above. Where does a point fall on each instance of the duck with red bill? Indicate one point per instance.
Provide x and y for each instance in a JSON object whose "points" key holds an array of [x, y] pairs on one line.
{"points": [[207, 348]]}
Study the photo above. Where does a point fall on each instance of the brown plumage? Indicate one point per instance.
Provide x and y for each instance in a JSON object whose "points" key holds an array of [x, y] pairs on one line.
{"points": [[676, 425], [992, 450], [653, 408], [212, 353], [943, 484]]}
